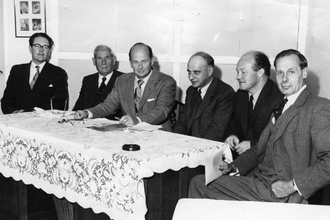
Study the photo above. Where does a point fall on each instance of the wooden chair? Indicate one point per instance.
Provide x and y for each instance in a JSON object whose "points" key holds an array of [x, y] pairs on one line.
{"points": [[176, 109]]}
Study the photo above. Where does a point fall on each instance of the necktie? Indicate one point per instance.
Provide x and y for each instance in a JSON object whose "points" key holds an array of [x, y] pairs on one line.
{"points": [[250, 108], [35, 77], [279, 109], [102, 86], [138, 94], [198, 97]]}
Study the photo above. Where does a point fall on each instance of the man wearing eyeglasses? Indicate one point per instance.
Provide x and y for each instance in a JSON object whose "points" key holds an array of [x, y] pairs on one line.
{"points": [[38, 83]]}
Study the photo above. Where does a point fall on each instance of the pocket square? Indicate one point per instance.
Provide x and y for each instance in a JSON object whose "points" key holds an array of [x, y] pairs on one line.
{"points": [[50, 85], [150, 100]]}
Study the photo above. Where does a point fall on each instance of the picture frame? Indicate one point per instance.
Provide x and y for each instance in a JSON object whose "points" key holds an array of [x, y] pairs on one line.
{"points": [[30, 17]]}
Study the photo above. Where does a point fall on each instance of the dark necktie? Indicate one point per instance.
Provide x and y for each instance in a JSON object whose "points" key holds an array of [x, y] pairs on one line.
{"points": [[279, 109], [35, 77], [198, 97], [102, 86], [138, 94], [250, 108]]}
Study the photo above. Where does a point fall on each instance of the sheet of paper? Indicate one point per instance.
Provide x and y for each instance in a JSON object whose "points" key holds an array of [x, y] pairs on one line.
{"points": [[211, 167], [144, 126]]}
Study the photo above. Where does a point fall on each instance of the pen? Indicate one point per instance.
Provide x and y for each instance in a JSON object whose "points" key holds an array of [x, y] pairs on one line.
{"points": [[117, 118]]}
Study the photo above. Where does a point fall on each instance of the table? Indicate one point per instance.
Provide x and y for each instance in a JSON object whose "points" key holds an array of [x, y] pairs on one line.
{"points": [[205, 209], [89, 167]]}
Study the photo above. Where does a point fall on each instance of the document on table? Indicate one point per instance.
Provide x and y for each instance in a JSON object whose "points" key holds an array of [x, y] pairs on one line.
{"points": [[211, 167]]}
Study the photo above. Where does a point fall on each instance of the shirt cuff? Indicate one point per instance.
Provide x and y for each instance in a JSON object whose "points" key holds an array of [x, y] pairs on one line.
{"points": [[295, 187], [89, 113]]}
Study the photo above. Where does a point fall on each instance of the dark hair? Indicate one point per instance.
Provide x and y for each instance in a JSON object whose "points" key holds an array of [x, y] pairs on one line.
{"points": [[207, 57], [303, 61], [40, 34], [151, 55], [261, 61]]}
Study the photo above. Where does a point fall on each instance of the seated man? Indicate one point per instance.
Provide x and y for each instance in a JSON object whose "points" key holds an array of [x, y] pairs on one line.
{"points": [[146, 95], [254, 101], [291, 161], [96, 87], [38, 83], [209, 101]]}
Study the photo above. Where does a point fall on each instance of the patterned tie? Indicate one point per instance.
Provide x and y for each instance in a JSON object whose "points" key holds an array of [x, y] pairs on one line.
{"points": [[279, 109], [138, 94], [35, 77], [198, 97], [102, 86]]}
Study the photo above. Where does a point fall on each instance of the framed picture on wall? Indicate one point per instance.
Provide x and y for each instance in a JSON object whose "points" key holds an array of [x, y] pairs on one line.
{"points": [[30, 17]]}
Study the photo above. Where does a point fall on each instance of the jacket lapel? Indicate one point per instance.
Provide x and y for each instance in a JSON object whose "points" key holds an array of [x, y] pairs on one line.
{"points": [[206, 100], [149, 88], [262, 100], [290, 113]]}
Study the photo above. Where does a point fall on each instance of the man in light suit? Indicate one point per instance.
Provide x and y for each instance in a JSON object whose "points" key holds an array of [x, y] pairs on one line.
{"points": [[145, 95], [209, 101], [38, 83], [249, 118], [94, 90], [291, 161]]}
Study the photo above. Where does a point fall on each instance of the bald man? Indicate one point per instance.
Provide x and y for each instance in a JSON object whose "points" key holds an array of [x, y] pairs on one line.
{"points": [[145, 95]]}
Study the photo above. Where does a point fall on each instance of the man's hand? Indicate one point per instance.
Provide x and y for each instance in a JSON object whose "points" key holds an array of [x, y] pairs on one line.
{"points": [[80, 114], [227, 168], [242, 147], [282, 189], [232, 140], [128, 120]]}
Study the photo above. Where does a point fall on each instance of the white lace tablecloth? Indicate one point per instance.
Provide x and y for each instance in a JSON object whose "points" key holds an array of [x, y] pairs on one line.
{"points": [[88, 166]]}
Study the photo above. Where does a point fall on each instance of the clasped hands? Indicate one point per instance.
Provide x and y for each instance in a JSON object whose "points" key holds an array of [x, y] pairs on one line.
{"points": [[237, 146], [125, 120]]}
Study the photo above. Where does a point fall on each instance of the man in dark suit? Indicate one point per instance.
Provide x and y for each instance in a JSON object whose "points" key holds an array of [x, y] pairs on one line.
{"points": [[291, 161], [96, 87], [145, 95], [254, 101], [38, 83], [209, 101]]}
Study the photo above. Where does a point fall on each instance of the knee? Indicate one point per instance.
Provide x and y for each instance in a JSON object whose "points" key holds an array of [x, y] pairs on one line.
{"points": [[195, 186]]}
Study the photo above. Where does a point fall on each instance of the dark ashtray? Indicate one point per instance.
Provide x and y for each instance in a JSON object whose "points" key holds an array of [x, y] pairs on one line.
{"points": [[131, 147]]}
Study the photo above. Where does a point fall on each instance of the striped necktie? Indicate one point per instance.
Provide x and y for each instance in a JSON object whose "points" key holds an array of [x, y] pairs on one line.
{"points": [[35, 77]]}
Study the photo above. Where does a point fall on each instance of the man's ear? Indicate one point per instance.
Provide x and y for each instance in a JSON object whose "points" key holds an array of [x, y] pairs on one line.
{"points": [[210, 70], [30, 49], [94, 61], [305, 72], [261, 72]]}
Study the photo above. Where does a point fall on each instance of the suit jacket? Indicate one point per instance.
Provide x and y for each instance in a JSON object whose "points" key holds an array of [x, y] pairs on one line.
{"points": [[50, 87], [211, 119], [300, 147], [270, 97], [155, 105], [90, 96]]}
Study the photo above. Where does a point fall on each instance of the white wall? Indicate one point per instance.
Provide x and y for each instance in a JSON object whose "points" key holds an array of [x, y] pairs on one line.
{"points": [[176, 29]]}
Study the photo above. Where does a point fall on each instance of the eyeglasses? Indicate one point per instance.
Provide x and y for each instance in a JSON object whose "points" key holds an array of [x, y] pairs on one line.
{"points": [[45, 47]]}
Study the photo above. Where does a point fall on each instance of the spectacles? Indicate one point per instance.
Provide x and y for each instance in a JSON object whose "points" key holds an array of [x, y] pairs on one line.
{"points": [[45, 47]]}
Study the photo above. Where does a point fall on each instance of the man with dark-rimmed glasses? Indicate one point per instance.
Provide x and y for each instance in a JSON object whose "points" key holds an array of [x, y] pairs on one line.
{"points": [[38, 83]]}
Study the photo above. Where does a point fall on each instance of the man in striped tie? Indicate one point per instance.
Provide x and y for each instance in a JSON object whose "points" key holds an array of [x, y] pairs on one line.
{"points": [[38, 83]]}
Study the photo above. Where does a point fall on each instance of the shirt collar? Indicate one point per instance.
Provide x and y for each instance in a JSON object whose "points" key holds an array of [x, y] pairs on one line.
{"points": [[293, 98], [107, 78], [255, 97], [205, 88]]}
